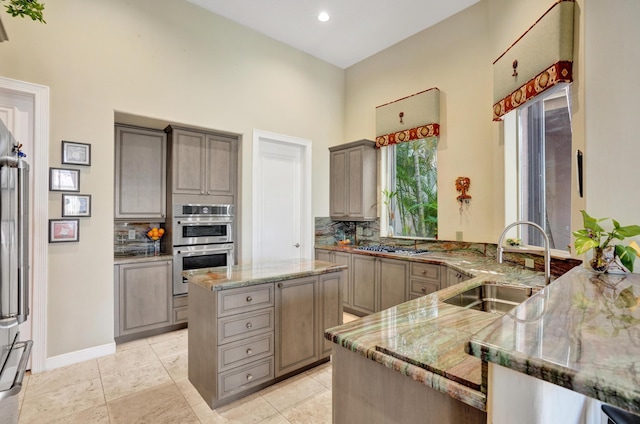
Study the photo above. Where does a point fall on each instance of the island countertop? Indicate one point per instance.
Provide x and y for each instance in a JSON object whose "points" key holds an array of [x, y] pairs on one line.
{"points": [[229, 277], [425, 338], [582, 332]]}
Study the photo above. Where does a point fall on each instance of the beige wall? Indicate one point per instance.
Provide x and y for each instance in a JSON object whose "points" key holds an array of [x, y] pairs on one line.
{"points": [[171, 61]]}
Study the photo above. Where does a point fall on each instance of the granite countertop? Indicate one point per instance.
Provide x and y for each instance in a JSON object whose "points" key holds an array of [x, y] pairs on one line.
{"points": [[228, 277], [129, 259], [582, 332], [425, 338]]}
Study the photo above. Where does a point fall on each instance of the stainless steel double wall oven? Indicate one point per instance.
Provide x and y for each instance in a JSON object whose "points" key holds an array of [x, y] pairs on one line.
{"points": [[202, 238]]}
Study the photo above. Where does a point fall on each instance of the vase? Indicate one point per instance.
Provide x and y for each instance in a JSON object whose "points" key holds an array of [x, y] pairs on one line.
{"points": [[602, 258]]}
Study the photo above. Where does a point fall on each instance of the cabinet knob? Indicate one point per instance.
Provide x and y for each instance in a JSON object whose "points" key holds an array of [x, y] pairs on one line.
{"points": [[249, 325], [280, 285], [249, 351], [249, 298], [424, 289], [424, 272], [249, 377]]}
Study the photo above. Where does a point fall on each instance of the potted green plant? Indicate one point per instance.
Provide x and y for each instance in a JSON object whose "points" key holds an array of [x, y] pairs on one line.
{"points": [[593, 236]]}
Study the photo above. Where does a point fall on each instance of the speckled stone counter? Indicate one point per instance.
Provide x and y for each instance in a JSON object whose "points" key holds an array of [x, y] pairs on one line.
{"points": [[425, 339], [229, 277], [582, 332]]}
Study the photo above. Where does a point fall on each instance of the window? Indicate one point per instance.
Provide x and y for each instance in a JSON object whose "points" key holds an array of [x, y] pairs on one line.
{"points": [[542, 180], [411, 196]]}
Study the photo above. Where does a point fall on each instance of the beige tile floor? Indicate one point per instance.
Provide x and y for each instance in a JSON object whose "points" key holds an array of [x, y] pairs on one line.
{"points": [[145, 381]]}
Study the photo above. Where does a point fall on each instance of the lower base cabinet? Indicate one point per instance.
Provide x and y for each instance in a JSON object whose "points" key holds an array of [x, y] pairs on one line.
{"points": [[244, 339], [143, 297]]}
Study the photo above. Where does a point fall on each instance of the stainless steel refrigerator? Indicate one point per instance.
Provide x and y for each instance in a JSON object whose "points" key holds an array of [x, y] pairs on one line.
{"points": [[14, 273]]}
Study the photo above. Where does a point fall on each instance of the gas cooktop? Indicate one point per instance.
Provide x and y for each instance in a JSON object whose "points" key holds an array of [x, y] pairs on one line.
{"points": [[383, 248]]}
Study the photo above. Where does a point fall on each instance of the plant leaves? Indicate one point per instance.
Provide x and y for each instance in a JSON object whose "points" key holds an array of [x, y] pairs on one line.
{"points": [[584, 244], [627, 255], [629, 230]]}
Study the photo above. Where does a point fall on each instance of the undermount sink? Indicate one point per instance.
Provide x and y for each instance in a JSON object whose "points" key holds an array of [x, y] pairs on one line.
{"points": [[493, 298]]}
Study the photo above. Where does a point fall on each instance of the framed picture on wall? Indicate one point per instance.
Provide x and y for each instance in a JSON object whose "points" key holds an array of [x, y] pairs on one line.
{"points": [[76, 205], [76, 153], [61, 179], [64, 230]]}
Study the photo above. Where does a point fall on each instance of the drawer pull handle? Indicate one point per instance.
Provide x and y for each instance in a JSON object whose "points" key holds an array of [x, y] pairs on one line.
{"points": [[249, 351], [424, 272], [249, 298], [249, 325], [249, 377], [424, 290]]}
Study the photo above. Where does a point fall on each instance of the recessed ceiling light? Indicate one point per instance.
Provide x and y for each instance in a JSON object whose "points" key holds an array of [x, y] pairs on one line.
{"points": [[323, 17]]}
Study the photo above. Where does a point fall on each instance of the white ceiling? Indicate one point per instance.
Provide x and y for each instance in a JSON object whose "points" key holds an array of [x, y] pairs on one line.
{"points": [[357, 28]]}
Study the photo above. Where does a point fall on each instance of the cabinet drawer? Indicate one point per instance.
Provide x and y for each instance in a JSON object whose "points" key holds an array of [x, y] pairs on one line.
{"points": [[422, 287], [245, 351], [240, 326], [245, 299], [238, 379], [179, 301], [180, 314], [426, 271]]}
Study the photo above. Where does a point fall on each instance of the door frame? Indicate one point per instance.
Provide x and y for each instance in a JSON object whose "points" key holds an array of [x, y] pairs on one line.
{"points": [[306, 231], [39, 164]]}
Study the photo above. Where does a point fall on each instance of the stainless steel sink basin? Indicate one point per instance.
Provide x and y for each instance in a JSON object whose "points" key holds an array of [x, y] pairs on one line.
{"points": [[492, 298]]}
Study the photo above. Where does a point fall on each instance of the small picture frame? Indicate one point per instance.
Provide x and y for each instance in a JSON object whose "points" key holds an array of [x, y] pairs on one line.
{"points": [[61, 179], [76, 153], [76, 205], [64, 230]]}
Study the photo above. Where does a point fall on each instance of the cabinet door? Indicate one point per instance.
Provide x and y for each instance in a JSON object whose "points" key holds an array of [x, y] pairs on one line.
{"points": [[145, 298], [338, 184], [455, 277], [140, 174], [363, 276], [324, 255], [394, 277], [188, 162], [296, 324], [342, 258], [330, 307], [355, 207], [221, 165]]}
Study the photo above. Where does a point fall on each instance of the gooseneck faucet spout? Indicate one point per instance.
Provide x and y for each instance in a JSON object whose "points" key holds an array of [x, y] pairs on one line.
{"points": [[547, 254]]}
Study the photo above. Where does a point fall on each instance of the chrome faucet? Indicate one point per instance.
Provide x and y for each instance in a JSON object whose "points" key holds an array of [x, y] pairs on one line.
{"points": [[547, 253]]}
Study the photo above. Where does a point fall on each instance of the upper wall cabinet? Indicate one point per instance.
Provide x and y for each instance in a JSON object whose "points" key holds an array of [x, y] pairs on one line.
{"points": [[140, 173], [353, 181], [202, 163]]}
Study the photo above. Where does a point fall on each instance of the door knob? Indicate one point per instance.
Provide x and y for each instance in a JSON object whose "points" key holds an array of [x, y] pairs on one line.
{"points": [[296, 245]]}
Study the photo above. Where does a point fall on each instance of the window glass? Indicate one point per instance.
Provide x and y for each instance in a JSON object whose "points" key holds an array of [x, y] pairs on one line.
{"points": [[544, 168], [411, 197]]}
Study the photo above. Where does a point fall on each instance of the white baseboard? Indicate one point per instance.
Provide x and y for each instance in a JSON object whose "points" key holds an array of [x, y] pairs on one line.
{"points": [[80, 356]]}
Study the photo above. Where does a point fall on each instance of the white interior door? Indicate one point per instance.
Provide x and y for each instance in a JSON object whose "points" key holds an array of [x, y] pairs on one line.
{"points": [[24, 108], [282, 202]]}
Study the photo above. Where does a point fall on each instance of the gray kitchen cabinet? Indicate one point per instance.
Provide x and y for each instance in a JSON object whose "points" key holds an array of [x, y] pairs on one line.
{"points": [[393, 275], [144, 298], [364, 285], [180, 309], [455, 277], [330, 307], [353, 181], [296, 337], [203, 163], [140, 174], [340, 258], [424, 279]]}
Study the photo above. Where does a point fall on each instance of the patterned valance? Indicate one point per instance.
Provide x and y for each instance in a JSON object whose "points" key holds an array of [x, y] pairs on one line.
{"points": [[540, 59], [410, 118]]}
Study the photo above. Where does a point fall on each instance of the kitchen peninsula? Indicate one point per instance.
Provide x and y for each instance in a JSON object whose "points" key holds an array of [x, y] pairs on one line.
{"points": [[253, 325]]}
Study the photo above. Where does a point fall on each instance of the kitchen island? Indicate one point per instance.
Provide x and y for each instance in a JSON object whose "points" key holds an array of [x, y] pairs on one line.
{"points": [[253, 325], [421, 345]]}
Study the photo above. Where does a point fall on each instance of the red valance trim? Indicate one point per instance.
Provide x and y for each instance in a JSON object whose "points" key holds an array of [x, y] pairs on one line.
{"points": [[423, 131], [558, 72]]}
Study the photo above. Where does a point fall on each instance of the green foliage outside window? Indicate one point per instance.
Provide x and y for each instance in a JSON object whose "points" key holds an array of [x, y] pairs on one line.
{"points": [[22, 8], [415, 198]]}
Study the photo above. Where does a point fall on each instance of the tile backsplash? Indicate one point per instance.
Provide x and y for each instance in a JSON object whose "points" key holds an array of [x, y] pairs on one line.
{"points": [[130, 238], [330, 232]]}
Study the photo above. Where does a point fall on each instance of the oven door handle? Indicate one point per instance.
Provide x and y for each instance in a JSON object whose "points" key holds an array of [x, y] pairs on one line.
{"points": [[22, 367]]}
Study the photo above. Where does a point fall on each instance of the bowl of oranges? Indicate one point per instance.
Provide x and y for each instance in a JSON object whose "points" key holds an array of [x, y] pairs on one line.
{"points": [[155, 234]]}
